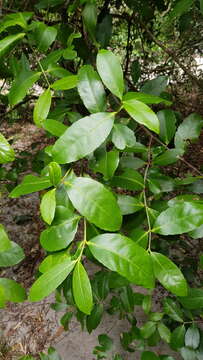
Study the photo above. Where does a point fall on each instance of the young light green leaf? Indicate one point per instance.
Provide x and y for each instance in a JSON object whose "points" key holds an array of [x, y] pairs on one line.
{"points": [[58, 237], [122, 255], [182, 218], [42, 107], [66, 83], [129, 204], [50, 280], [110, 71], [93, 320], [146, 98], [107, 164], [48, 205], [82, 291], [19, 18], [178, 337], [148, 329], [54, 127], [168, 274], [30, 184], [130, 180], [8, 42], [164, 332], [91, 89], [142, 114], [95, 202], [167, 122], [5, 243], [194, 299], [20, 86], [6, 152], [12, 256], [55, 173], [192, 337], [123, 137], [83, 137], [12, 290]]}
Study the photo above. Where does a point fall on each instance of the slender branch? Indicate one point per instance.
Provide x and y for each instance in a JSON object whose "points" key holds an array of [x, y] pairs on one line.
{"points": [[144, 193], [128, 46]]}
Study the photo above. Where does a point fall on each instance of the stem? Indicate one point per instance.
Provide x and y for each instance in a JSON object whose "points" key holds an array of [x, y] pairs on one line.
{"points": [[84, 241], [144, 194], [41, 67]]}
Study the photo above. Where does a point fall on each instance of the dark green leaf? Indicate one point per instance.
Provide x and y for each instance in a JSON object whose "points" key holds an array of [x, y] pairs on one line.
{"points": [[104, 31], [107, 164], [178, 337], [167, 122], [89, 15], [23, 82], [82, 291], [29, 185], [129, 204], [148, 355], [155, 86], [168, 157], [94, 319], [172, 309], [135, 71], [130, 180]]}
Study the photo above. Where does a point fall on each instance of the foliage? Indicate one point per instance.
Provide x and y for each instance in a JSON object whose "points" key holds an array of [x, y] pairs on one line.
{"points": [[106, 173]]}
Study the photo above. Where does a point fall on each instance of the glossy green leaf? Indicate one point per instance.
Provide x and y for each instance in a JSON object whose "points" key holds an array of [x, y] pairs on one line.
{"points": [[19, 18], [12, 256], [178, 337], [142, 114], [6, 152], [20, 86], [12, 290], [123, 137], [95, 202], [48, 205], [58, 237], [91, 89], [172, 309], [94, 319], [50, 280], [148, 355], [5, 243], [89, 16], [42, 107], [148, 329], [129, 204], [82, 291], [107, 164], [188, 130], [146, 98], [182, 218], [8, 42], [44, 35], [164, 332], [66, 83], [54, 127], [168, 274], [168, 157], [192, 337], [155, 86], [167, 120], [30, 184], [55, 173], [54, 259], [194, 299], [130, 180], [122, 255], [83, 137], [110, 71]]}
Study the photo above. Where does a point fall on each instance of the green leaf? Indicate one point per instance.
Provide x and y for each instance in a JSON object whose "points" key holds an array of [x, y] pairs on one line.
{"points": [[83, 137], [48, 205], [19, 18], [54, 259], [66, 83], [110, 71], [123, 137], [8, 42], [135, 71], [169, 274], [201, 6], [194, 299], [192, 337], [189, 130], [44, 35], [12, 290], [5, 243], [82, 291], [20, 86], [6, 152], [95, 202], [55, 127], [94, 319], [58, 237], [50, 280], [168, 157], [145, 98], [104, 31], [148, 355], [164, 332], [188, 354], [172, 309], [148, 329], [147, 303], [121, 254], [55, 173], [178, 337], [12, 256], [181, 7], [42, 107], [89, 16], [107, 164], [30, 184], [91, 89], [167, 122], [155, 86], [130, 180], [142, 114], [182, 218], [129, 204]]}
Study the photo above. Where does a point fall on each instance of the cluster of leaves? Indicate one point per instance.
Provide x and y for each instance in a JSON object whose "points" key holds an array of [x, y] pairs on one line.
{"points": [[98, 175]]}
